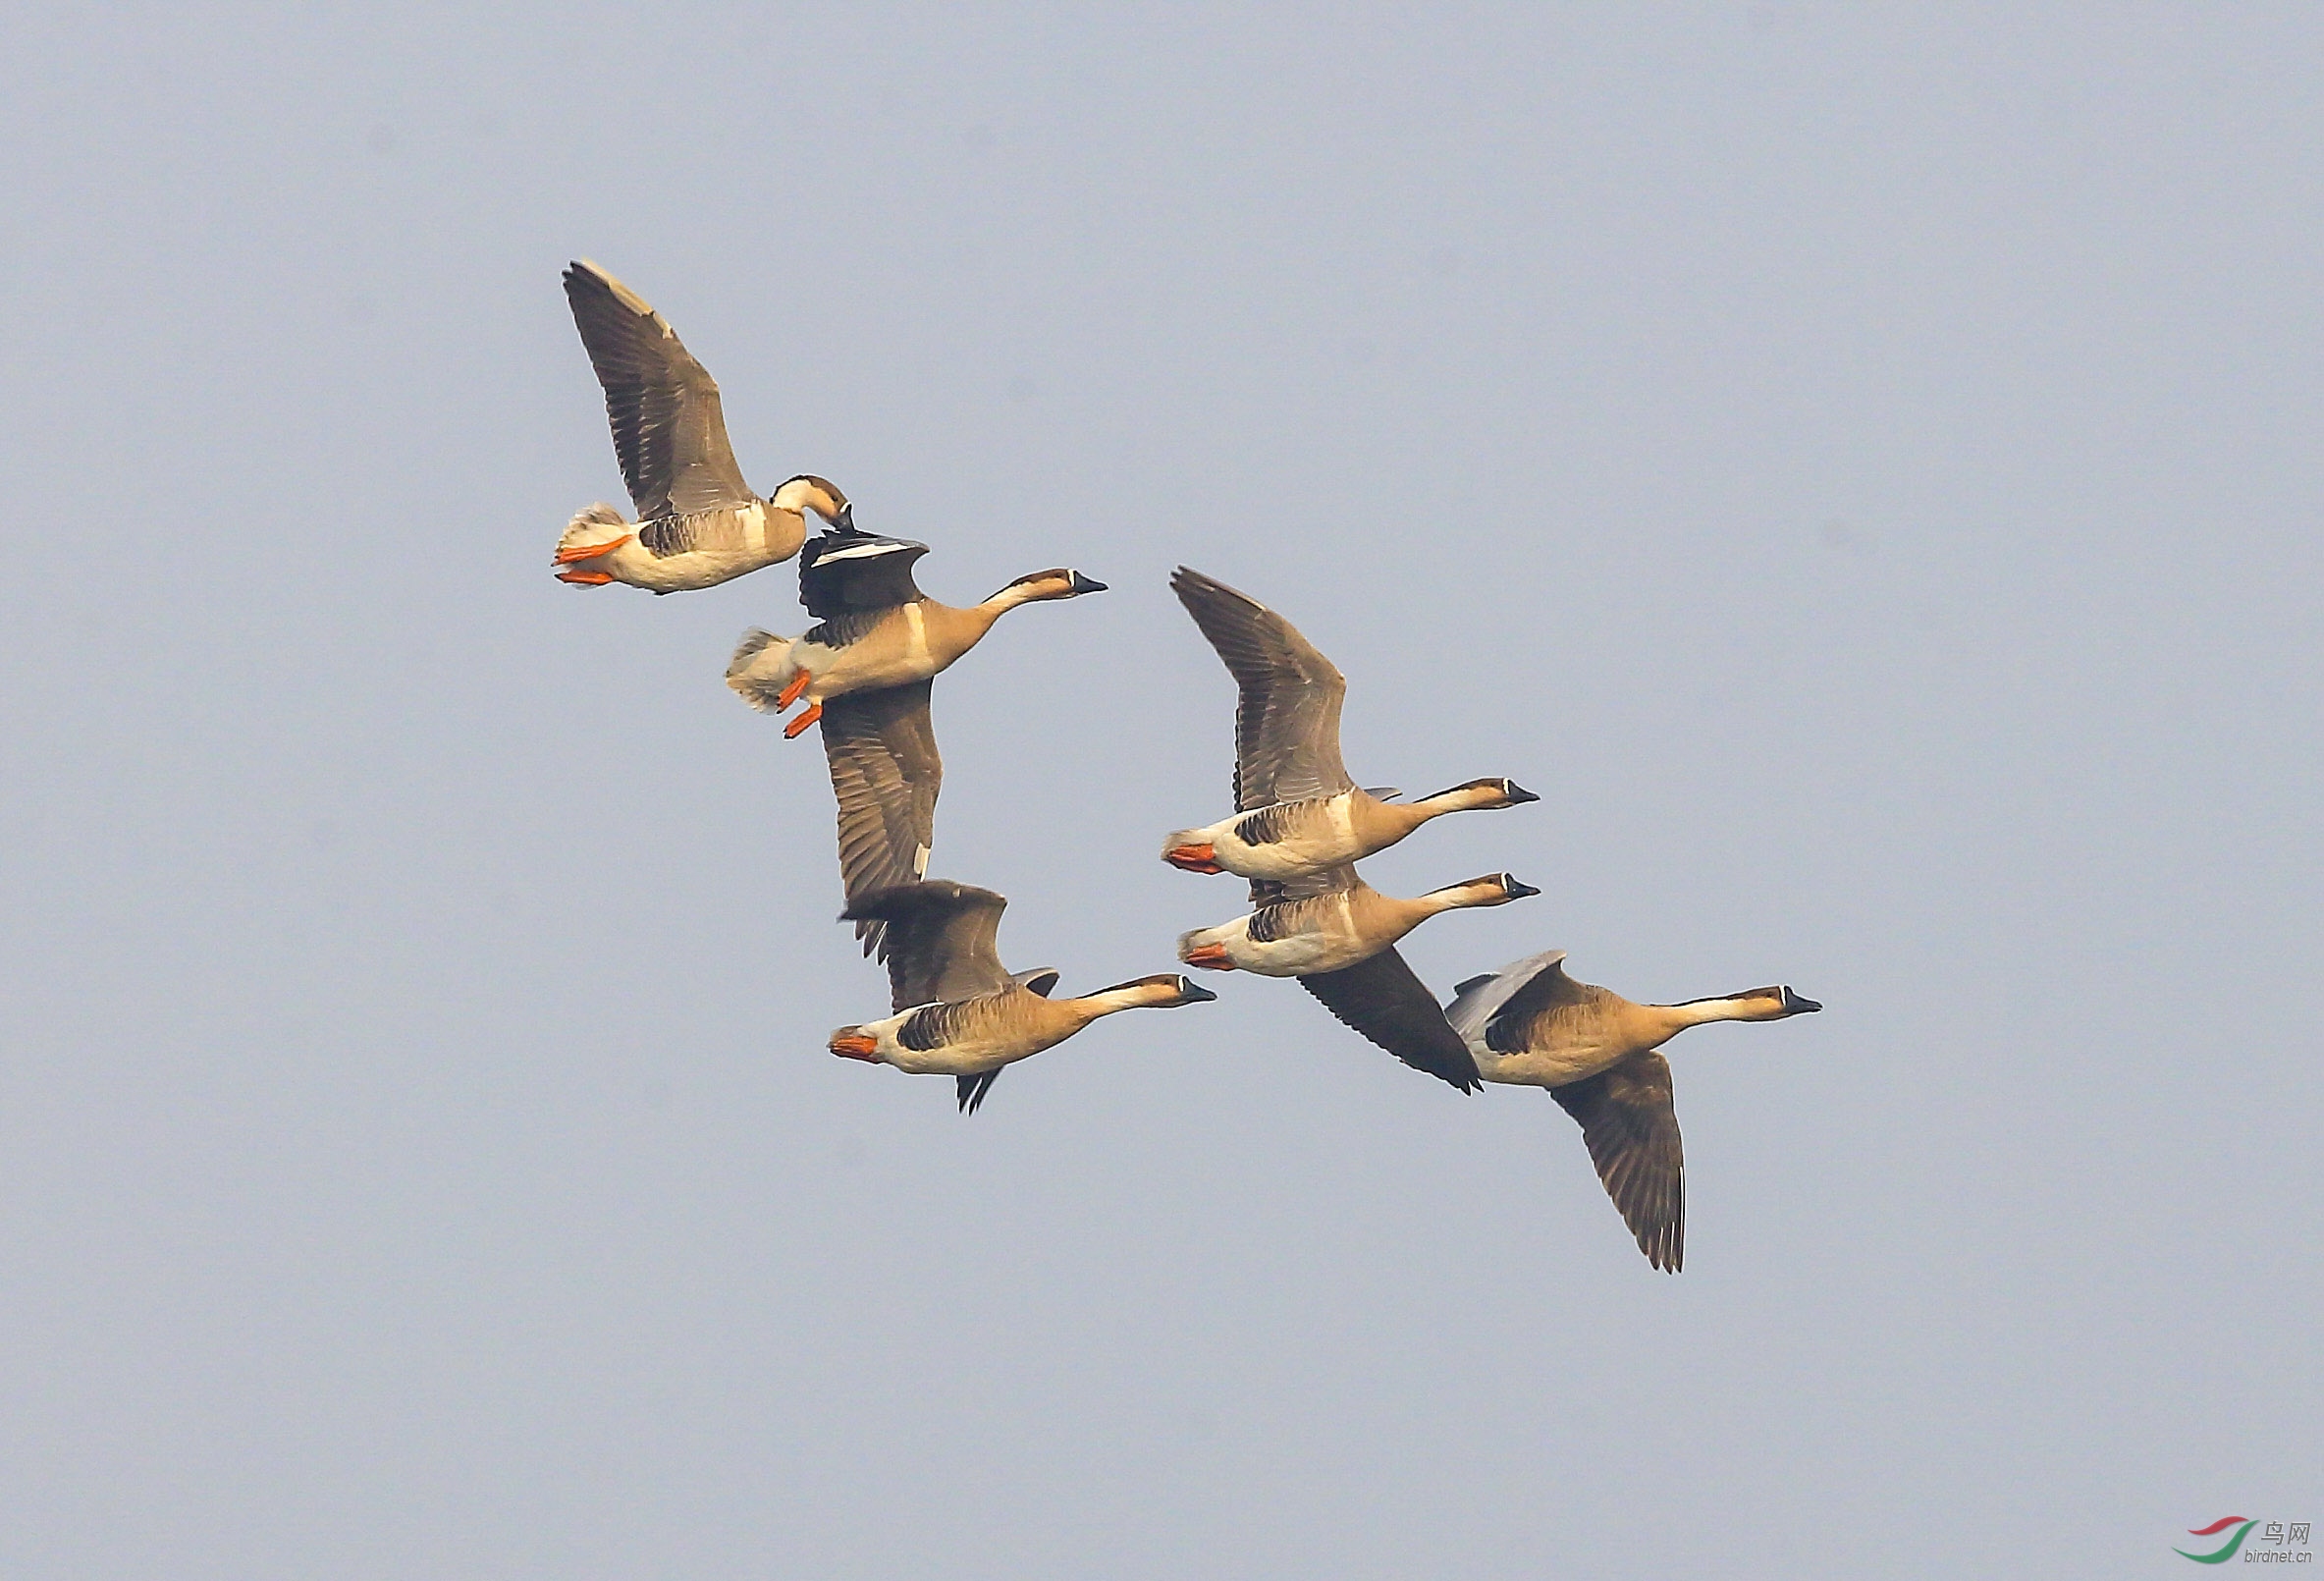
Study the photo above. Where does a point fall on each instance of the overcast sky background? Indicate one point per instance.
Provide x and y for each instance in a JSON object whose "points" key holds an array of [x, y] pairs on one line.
{"points": [[1862, 470]]}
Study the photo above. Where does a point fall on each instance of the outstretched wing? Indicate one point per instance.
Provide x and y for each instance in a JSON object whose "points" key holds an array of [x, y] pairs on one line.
{"points": [[845, 574], [1632, 1132], [1498, 1008], [1287, 722], [941, 941], [1383, 998], [886, 773], [669, 429]]}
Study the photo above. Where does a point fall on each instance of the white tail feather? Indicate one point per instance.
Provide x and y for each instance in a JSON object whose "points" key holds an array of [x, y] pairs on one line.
{"points": [[597, 523], [760, 669]]}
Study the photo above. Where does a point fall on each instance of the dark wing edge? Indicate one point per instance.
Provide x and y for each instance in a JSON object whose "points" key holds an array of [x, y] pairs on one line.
{"points": [[885, 774], [670, 429], [845, 574], [1383, 999], [973, 1090], [941, 943], [1630, 1124], [1287, 718]]}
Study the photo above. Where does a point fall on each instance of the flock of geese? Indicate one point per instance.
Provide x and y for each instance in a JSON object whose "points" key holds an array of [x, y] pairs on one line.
{"points": [[1299, 826]]}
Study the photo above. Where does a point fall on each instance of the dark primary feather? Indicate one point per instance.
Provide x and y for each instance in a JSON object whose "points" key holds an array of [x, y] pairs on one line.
{"points": [[886, 773], [1267, 893], [837, 580], [942, 941], [1631, 1129], [1383, 998], [973, 1090], [669, 431], [1286, 719]]}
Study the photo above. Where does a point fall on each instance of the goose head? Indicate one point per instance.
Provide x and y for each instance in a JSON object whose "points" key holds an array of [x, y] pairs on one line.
{"points": [[1772, 1003], [1494, 889], [1165, 991], [807, 492], [1484, 795], [1036, 586]]}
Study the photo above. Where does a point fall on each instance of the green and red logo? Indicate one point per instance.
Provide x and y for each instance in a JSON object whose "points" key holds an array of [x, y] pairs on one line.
{"points": [[2242, 1530]]}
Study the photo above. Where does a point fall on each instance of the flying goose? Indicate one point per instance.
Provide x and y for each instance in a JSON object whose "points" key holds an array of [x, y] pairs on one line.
{"points": [[1297, 811], [1530, 1024], [878, 628], [1337, 935], [865, 670], [960, 1012], [698, 523]]}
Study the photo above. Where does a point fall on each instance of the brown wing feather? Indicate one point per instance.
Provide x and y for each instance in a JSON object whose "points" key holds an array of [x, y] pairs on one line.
{"points": [[1383, 998], [1286, 719], [1631, 1129], [942, 941], [886, 773], [670, 430]]}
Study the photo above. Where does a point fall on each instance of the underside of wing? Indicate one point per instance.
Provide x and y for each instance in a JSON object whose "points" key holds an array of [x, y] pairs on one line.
{"points": [[942, 941], [846, 574], [973, 1090], [1286, 720], [669, 431], [886, 773], [1384, 999], [1630, 1125]]}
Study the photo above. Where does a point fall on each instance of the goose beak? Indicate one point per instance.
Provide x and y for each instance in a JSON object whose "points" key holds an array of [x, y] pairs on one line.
{"points": [[1082, 584], [1516, 891], [1794, 1005], [1191, 992], [1519, 795], [846, 519]]}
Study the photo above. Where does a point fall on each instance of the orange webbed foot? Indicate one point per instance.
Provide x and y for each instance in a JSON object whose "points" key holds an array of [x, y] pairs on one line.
{"points": [[584, 579], [792, 690], [1193, 858], [814, 712], [569, 553], [1213, 957]]}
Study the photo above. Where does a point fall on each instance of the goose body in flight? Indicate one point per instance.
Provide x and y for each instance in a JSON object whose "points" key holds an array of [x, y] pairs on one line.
{"points": [[1337, 935], [865, 670], [1297, 810], [1598, 1054], [959, 1011], [698, 523]]}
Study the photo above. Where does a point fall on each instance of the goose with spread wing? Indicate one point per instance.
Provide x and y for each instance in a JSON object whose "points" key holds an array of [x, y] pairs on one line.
{"points": [[1337, 935], [1600, 1056], [959, 1011], [1297, 812], [865, 672], [698, 523]]}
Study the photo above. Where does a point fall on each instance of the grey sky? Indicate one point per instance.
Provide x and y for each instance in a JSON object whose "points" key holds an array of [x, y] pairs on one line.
{"points": [[1860, 466]]}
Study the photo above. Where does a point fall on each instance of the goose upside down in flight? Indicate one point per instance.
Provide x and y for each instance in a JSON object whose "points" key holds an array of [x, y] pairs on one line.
{"points": [[959, 1011], [1297, 812], [698, 523], [865, 672], [1337, 935], [1598, 1054]]}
